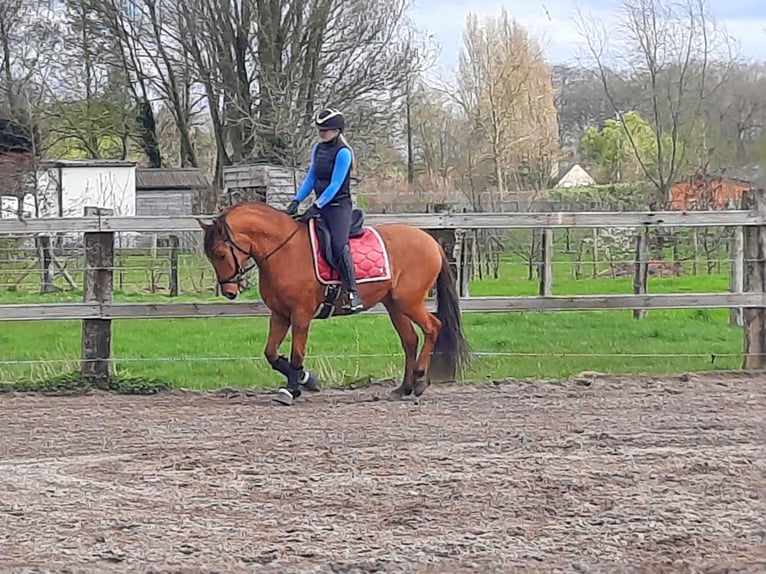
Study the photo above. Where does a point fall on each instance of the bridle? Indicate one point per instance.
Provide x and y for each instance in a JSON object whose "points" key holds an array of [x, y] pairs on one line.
{"points": [[240, 271]]}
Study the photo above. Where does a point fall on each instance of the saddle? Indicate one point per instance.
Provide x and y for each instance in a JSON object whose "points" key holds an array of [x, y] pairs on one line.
{"points": [[368, 254], [323, 233]]}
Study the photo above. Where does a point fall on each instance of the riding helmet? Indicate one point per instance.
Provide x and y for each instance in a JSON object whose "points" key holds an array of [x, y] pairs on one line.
{"points": [[330, 119]]}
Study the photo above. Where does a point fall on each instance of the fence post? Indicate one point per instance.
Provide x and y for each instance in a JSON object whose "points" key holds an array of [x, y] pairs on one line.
{"points": [[641, 273], [546, 264], [754, 247], [173, 274], [45, 253], [736, 273], [97, 288]]}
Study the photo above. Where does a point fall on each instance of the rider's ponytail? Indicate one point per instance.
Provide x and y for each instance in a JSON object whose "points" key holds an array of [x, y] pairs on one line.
{"points": [[342, 138]]}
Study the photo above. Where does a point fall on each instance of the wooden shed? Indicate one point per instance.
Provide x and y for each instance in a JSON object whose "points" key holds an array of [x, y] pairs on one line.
{"points": [[266, 182], [170, 191]]}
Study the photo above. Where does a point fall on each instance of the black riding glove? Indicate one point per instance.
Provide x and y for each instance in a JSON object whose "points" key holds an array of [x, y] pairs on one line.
{"points": [[312, 211], [292, 209]]}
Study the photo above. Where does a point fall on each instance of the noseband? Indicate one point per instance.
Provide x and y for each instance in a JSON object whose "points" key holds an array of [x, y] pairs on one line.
{"points": [[240, 271]]}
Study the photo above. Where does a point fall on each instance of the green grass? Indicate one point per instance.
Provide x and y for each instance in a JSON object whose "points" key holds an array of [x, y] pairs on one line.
{"points": [[210, 353], [207, 353]]}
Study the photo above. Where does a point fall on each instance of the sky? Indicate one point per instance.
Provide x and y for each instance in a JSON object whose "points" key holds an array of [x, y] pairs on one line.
{"points": [[551, 22]]}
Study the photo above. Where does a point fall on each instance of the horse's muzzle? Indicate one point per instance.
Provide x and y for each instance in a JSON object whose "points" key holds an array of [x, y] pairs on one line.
{"points": [[230, 296]]}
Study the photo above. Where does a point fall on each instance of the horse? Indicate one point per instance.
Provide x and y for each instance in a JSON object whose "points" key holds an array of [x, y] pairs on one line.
{"points": [[396, 265]]}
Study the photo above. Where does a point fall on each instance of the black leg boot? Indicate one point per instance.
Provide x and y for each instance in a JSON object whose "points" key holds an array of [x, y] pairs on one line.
{"points": [[346, 268]]}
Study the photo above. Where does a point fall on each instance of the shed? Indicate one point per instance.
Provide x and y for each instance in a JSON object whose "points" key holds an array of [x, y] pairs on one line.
{"points": [[266, 182], [170, 191], [17, 165], [16, 137]]}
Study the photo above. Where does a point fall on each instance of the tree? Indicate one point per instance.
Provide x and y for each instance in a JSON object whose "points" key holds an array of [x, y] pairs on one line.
{"points": [[737, 115], [667, 47], [86, 111], [268, 65], [617, 146], [506, 93]]}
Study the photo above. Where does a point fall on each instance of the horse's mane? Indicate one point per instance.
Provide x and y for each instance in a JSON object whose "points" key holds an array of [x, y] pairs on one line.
{"points": [[221, 226], [207, 241]]}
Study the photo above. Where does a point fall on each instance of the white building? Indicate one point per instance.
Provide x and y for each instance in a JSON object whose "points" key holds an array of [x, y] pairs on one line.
{"points": [[64, 187]]}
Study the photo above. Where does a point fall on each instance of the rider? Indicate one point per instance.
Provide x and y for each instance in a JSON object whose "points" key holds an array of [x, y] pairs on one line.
{"points": [[329, 175]]}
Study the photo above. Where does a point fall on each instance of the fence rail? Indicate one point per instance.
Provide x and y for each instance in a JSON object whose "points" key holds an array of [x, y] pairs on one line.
{"points": [[100, 227], [50, 311], [589, 219]]}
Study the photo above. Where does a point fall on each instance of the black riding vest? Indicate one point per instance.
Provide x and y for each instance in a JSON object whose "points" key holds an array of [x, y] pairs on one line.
{"points": [[324, 162]]}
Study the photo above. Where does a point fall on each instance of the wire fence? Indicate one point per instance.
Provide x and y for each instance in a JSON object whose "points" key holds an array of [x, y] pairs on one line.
{"points": [[145, 263], [137, 273], [357, 356], [253, 370]]}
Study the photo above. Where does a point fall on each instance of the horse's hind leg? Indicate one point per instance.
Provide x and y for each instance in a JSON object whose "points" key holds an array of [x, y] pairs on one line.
{"points": [[409, 339], [430, 325]]}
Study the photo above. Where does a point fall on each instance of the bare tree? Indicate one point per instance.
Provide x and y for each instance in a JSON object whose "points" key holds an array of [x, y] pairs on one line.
{"points": [[506, 93], [148, 48], [665, 48], [267, 65], [737, 116]]}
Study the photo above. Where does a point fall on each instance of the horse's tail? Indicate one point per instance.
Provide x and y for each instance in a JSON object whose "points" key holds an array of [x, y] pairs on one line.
{"points": [[452, 353]]}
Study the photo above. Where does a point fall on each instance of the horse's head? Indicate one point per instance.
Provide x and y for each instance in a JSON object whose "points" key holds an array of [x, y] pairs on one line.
{"points": [[229, 252]]}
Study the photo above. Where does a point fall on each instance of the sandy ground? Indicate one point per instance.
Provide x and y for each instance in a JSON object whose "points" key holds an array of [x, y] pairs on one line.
{"points": [[636, 474]]}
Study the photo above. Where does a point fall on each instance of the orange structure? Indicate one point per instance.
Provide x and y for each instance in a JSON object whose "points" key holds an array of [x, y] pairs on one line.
{"points": [[707, 192]]}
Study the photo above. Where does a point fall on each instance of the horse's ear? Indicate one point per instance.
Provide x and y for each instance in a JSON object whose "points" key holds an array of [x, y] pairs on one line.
{"points": [[204, 224]]}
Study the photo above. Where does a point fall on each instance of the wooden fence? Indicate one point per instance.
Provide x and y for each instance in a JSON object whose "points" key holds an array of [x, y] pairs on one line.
{"points": [[97, 310]]}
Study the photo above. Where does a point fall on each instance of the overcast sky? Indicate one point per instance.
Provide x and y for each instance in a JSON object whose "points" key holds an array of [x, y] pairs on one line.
{"points": [[551, 22]]}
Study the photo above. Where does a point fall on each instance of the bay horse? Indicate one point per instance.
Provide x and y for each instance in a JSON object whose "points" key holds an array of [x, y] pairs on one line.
{"points": [[297, 286]]}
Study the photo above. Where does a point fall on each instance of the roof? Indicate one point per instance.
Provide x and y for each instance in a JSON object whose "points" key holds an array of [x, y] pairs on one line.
{"points": [[48, 163], [575, 176], [170, 178]]}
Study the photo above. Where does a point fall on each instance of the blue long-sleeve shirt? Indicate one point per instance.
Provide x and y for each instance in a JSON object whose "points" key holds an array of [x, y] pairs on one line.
{"points": [[339, 172]]}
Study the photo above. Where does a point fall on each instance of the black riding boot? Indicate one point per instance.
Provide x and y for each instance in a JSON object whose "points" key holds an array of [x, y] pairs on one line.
{"points": [[346, 268]]}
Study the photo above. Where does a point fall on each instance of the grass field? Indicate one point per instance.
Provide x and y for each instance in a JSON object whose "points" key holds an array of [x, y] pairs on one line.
{"points": [[205, 353]]}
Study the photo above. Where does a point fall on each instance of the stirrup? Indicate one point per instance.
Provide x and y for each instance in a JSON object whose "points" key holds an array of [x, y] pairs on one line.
{"points": [[354, 303]]}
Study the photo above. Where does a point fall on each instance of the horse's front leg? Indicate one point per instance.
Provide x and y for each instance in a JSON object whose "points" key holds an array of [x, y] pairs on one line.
{"points": [[278, 326], [296, 374]]}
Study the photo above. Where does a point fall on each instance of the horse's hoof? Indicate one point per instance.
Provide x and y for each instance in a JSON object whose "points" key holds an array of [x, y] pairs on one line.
{"points": [[310, 382], [401, 392], [284, 397], [420, 387]]}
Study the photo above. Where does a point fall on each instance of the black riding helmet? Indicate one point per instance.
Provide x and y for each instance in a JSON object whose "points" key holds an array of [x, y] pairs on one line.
{"points": [[330, 119]]}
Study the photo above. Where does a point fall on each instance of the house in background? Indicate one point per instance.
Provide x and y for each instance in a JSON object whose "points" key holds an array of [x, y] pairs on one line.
{"points": [[576, 177], [704, 192]]}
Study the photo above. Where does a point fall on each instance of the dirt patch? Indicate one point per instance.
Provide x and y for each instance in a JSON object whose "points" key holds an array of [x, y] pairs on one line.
{"points": [[597, 474]]}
